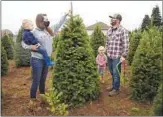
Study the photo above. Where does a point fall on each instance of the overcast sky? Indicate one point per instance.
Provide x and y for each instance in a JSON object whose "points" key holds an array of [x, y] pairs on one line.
{"points": [[13, 12]]}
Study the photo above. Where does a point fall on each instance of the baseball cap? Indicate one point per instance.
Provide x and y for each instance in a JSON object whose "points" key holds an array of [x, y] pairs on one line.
{"points": [[116, 16]]}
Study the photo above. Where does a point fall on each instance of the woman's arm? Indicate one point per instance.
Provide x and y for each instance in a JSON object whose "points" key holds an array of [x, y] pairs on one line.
{"points": [[30, 47], [54, 28]]}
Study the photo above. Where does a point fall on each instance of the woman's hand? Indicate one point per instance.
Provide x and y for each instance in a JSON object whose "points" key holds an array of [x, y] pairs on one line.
{"points": [[34, 47], [69, 13]]}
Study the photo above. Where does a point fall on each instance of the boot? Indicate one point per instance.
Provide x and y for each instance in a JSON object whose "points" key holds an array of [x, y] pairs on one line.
{"points": [[114, 92]]}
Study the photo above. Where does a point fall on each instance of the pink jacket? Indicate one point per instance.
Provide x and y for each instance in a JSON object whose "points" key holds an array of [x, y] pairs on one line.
{"points": [[101, 60]]}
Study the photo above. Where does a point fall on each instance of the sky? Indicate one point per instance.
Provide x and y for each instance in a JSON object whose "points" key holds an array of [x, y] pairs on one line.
{"points": [[133, 12]]}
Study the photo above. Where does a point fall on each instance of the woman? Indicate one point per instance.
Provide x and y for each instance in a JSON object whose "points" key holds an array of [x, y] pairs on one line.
{"points": [[39, 69]]}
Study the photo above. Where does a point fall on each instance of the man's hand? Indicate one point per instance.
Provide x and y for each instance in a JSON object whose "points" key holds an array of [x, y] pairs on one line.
{"points": [[34, 47], [122, 59]]}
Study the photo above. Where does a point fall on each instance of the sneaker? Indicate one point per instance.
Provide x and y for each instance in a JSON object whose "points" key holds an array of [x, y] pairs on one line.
{"points": [[109, 89], [114, 92]]}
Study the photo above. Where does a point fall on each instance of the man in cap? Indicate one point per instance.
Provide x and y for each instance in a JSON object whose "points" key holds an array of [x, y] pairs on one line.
{"points": [[117, 45]]}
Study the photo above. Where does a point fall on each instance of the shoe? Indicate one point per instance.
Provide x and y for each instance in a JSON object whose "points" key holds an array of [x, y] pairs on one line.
{"points": [[32, 103], [109, 89], [42, 99], [114, 92], [51, 64]]}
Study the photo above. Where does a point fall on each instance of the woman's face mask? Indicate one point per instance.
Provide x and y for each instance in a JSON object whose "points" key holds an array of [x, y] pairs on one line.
{"points": [[46, 21]]}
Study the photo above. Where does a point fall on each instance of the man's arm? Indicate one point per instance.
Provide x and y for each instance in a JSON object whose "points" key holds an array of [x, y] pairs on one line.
{"points": [[125, 43]]}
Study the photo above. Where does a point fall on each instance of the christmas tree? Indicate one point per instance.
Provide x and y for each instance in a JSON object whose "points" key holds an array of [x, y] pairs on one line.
{"points": [[22, 56], [6, 43], [75, 73], [97, 39], [147, 66], [158, 102], [4, 62]]}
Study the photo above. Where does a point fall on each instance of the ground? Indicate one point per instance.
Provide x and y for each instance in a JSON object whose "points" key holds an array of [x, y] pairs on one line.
{"points": [[16, 87]]}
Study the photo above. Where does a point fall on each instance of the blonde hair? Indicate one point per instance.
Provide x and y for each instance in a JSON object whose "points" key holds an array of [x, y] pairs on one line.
{"points": [[25, 23], [101, 48]]}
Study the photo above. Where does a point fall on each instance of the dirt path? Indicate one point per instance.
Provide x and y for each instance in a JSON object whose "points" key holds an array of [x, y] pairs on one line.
{"points": [[16, 86]]}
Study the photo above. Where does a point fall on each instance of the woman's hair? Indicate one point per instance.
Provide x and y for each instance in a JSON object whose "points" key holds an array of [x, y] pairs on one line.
{"points": [[25, 23], [101, 48]]}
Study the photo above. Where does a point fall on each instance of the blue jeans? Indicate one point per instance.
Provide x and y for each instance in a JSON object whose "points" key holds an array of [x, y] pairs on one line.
{"points": [[39, 74], [115, 76]]}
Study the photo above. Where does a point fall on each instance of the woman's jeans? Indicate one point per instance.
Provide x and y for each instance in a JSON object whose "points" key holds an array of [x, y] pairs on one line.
{"points": [[112, 63], [39, 74]]}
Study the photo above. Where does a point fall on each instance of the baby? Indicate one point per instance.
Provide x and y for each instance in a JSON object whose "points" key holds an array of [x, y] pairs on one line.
{"points": [[29, 39]]}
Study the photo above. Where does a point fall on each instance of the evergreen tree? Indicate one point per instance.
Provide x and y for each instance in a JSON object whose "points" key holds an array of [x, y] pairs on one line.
{"points": [[134, 42], [97, 39], [156, 17], [6, 42], [158, 102], [75, 73], [4, 62], [22, 56], [146, 23], [147, 66]]}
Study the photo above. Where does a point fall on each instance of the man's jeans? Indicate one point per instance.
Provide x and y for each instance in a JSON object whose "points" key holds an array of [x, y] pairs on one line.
{"points": [[39, 74], [112, 63]]}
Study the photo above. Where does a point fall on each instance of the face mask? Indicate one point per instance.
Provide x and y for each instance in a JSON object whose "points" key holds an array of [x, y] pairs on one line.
{"points": [[113, 22], [47, 23]]}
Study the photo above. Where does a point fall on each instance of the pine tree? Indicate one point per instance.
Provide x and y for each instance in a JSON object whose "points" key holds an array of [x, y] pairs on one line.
{"points": [[146, 23], [135, 37], [22, 56], [158, 103], [147, 66], [6, 42], [4, 62], [97, 39], [75, 73], [156, 17]]}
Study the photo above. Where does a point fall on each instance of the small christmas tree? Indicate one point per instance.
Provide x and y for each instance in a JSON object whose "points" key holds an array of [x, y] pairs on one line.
{"points": [[4, 62], [6, 43], [22, 56], [75, 73], [147, 66], [97, 39]]}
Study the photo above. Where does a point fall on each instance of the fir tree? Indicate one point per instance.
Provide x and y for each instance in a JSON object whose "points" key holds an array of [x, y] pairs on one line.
{"points": [[4, 62], [75, 73], [156, 17], [146, 23]]}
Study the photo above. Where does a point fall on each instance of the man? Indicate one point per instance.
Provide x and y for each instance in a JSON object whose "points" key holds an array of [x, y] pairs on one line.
{"points": [[117, 45]]}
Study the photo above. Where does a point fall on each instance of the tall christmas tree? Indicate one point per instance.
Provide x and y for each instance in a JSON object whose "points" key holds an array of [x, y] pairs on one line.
{"points": [[97, 39], [22, 56], [6, 43], [147, 66], [75, 73], [146, 23], [156, 17]]}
